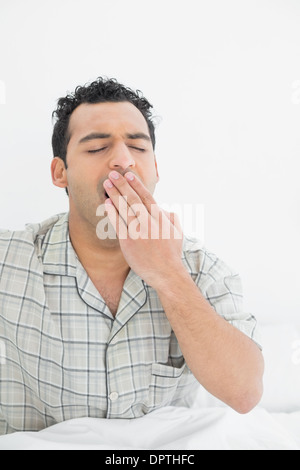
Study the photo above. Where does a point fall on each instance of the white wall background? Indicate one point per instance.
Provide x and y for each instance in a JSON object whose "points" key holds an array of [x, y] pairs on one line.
{"points": [[224, 77]]}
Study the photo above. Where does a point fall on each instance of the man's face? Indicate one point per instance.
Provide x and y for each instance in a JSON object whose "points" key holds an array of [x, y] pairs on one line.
{"points": [[105, 137]]}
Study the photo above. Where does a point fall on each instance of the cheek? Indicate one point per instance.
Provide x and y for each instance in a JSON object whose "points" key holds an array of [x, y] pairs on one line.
{"points": [[81, 175], [150, 180], [86, 185]]}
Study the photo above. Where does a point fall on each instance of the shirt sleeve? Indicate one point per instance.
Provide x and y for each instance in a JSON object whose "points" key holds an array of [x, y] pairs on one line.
{"points": [[222, 287]]}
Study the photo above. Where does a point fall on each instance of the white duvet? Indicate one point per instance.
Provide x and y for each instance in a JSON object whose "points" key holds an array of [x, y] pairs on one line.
{"points": [[169, 428], [207, 426]]}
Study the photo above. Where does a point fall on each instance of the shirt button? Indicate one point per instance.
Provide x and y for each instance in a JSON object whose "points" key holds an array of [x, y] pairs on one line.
{"points": [[113, 396]]}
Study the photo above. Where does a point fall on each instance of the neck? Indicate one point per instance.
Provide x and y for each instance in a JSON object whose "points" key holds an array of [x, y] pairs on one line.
{"points": [[99, 257]]}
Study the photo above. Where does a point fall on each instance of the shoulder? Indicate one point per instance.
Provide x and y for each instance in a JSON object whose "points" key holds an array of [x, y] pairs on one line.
{"points": [[200, 260], [17, 245]]}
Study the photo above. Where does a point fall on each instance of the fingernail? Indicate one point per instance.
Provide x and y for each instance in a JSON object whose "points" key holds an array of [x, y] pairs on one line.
{"points": [[115, 175], [129, 176], [108, 184]]}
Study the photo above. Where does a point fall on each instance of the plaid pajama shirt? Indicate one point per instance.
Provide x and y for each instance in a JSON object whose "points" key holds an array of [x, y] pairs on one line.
{"points": [[63, 355]]}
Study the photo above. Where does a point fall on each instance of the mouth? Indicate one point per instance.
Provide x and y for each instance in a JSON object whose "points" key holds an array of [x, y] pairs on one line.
{"points": [[106, 195]]}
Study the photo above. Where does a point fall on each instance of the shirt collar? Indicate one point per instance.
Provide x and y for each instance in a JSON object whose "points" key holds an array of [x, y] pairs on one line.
{"points": [[55, 247], [59, 258], [56, 250]]}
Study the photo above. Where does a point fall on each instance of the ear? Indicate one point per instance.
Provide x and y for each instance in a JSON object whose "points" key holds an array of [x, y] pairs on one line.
{"points": [[157, 175], [59, 173]]}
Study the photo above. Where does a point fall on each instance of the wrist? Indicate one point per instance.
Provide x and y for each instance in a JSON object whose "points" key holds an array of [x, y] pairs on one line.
{"points": [[171, 280]]}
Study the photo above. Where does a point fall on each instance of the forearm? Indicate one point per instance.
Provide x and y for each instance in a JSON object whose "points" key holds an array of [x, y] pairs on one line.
{"points": [[227, 363], [224, 360]]}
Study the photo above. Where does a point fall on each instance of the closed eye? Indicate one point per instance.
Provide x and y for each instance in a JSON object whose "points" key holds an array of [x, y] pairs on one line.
{"points": [[138, 148], [96, 150]]}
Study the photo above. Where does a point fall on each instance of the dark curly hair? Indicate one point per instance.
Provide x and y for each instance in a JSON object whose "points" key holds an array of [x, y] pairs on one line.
{"points": [[101, 90]]}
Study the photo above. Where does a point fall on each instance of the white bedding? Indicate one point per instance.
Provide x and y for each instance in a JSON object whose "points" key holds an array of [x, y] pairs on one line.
{"points": [[170, 428], [275, 424]]}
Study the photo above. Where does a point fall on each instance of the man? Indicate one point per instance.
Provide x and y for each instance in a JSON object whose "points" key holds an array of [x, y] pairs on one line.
{"points": [[114, 319]]}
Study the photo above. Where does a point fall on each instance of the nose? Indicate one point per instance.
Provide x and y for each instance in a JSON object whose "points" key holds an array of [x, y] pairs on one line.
{"points": [[121, 158]]}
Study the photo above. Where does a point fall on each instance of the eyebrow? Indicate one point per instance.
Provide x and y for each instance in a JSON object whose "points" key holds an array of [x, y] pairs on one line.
{"points": [[94, 136], [101, 135], [138, 135]]}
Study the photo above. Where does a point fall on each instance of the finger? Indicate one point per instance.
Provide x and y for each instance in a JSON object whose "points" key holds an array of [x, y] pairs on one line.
{"points": [[127, 212], [125, 199], [144, 194], [123, 187]]}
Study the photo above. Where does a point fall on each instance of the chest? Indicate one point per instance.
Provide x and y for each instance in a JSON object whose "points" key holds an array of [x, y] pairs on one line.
{"points": [[82, 355], [111, 293]]}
